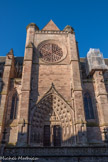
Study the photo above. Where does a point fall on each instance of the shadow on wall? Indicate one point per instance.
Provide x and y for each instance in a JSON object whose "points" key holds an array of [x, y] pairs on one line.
{"points": [[34, 87], [1, 87], [106, 81], [48, 139], [1, 76]]}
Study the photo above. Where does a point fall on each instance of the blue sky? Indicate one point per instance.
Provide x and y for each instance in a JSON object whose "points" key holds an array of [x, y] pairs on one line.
{"points": [[89, 18]]}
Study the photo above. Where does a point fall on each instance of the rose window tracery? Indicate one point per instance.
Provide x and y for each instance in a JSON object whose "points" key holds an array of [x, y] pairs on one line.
{"points": [[51, 52]]}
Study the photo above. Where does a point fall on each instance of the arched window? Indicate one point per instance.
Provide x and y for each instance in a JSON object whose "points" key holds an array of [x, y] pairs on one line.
{"points": [[14, 105], [88, 106]]}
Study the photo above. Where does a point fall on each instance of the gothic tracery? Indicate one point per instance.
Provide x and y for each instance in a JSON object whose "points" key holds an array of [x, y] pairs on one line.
{"points": [[51, 52], [51, 110]]}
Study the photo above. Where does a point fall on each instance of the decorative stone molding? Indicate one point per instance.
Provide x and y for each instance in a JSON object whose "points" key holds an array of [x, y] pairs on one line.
{"points": [[92, 124], [21, 121], [11, 123], [88, 80], [51, 32], [80, 122]]}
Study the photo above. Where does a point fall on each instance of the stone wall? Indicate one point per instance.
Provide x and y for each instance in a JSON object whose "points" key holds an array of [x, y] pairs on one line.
{"points": [[71, 154]]}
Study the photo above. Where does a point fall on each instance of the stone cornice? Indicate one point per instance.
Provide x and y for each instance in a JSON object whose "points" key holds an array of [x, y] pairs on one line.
{"points": [[101, 94], [77, 90], [88, 81], [95, 124], [51, 32]]}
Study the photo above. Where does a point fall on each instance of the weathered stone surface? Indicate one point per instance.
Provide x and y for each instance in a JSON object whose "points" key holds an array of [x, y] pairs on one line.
{"points": [[51, 26], [51, 92]]}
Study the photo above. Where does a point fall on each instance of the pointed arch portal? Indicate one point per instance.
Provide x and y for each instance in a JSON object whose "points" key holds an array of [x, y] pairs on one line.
{"points": [[52, 121]]}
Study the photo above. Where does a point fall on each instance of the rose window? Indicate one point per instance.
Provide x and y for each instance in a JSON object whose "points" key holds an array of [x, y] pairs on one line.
{"points": [[51, 52]]}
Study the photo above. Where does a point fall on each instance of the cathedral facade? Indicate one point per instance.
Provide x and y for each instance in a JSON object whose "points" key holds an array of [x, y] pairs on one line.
{"points": [[52, 98]]}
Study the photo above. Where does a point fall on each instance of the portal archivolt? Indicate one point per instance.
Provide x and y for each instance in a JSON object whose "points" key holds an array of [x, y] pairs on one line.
{"points": [[52, 118]]}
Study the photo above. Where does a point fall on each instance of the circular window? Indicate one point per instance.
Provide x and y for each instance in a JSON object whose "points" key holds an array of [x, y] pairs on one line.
{"points": [[51, 52]]}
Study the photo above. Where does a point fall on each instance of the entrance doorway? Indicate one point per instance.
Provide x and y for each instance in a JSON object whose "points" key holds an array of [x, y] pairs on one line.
{"points": [[46, 140], [56, 134]]}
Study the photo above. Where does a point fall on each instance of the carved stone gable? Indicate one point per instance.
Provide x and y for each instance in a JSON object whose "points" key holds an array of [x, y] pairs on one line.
{"points": [[51, 110], [51, 26]]}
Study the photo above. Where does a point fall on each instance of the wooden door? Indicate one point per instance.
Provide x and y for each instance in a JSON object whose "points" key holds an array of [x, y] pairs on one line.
{"points": [[46, 140], [57, 135]]}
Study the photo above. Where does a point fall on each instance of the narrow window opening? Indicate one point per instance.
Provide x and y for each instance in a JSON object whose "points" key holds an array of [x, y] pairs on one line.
{"points": [[89, 113]]}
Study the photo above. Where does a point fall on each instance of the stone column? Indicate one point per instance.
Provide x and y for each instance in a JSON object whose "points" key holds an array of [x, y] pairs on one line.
{"points": [[79, 117], [7, 74], [26, 87]]}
